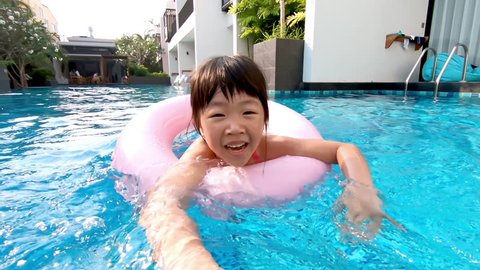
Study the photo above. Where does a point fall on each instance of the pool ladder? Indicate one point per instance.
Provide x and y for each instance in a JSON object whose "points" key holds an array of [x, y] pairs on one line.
{"points": [[437, 81], [415, 66], [464, 72]]}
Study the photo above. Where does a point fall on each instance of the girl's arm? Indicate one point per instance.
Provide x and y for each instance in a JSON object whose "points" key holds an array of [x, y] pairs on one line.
{"points": [[360, 197], [347, 156], [172, 234]]}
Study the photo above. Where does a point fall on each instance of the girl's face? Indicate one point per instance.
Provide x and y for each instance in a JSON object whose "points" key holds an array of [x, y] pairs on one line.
{"points": [[233, 129]]}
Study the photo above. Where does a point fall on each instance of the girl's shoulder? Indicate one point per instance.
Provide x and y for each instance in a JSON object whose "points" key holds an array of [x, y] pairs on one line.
{"points": [[198, 149], [277, 146], [276, 141]]}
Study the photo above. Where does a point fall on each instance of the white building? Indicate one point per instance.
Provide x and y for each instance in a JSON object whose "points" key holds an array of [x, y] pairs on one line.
{"points": [[344, 40], [168, 28], [204, 30], [43, 13]]}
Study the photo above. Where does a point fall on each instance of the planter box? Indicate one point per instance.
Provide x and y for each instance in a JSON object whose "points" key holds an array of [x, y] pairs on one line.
{"points": [[150, 80], [281, 61]]}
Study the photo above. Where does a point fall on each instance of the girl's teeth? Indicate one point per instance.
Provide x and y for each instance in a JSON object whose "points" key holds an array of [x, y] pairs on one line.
{"points": [[236, 147]]}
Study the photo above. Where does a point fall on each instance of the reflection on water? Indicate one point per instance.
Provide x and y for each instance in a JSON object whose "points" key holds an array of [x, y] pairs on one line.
{"points": [[59, 207]]}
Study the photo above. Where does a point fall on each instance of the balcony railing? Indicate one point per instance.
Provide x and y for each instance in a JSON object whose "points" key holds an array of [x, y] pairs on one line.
{"points": [[226, 5], [185, 12], [170, 24]]}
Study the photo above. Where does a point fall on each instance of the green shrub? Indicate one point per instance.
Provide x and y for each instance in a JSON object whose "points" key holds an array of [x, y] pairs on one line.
{"points": [[159, 74], [39, 76], [292, 33], [138, 70]]}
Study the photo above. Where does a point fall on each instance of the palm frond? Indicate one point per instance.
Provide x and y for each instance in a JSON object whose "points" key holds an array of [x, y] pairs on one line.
{"points": [[296, 18]]}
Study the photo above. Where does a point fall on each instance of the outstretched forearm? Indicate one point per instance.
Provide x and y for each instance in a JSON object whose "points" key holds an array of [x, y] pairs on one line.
{"points": [[174, 237], [353, 164], [362, 201], [172, 234]]}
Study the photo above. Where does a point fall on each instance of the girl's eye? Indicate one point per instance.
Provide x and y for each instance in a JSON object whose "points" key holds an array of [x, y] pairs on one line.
{"points": [[215, 115], [249, 113]]}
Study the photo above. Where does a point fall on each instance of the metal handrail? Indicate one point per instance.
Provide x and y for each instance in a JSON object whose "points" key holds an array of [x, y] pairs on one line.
{"points": [[226, 5], [416, 64], [464, 73]]}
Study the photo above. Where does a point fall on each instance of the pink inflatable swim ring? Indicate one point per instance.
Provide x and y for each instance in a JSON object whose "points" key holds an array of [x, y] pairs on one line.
{"points": [[144, 150]]}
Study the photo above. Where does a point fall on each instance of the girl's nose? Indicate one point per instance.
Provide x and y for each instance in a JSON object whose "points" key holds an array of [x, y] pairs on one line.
{"points": [[235, 127]]}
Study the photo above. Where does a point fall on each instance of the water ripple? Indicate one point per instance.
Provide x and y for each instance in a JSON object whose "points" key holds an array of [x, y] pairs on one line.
{"points": [[59, 208]]}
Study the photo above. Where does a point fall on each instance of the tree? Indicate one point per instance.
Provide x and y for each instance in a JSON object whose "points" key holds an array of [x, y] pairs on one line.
{"points": [[141, 50], [256, 17], [23, 40], [282, 18], [265, 19]]}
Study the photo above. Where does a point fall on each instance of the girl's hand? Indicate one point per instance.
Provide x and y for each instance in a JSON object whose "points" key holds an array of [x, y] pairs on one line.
{"points": [[364, 209]]}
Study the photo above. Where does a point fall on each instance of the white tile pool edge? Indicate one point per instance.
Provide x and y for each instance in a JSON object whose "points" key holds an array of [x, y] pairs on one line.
{"points": [[375, 92]]}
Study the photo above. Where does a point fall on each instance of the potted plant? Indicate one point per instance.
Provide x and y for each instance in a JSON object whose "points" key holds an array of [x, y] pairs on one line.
{"points": [[276, 28]]}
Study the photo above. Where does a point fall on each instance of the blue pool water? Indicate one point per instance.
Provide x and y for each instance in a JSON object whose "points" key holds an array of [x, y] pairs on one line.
{"points": [[59, 208]]}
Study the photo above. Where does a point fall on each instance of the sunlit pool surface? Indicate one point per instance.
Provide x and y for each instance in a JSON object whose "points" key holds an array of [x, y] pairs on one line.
{"points": [[59, 208]]}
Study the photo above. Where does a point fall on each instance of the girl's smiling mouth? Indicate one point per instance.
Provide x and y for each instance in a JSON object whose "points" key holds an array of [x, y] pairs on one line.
{"points": [[236, 147]]}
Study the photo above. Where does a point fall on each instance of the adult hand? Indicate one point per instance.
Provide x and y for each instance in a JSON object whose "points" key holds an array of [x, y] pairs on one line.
{"points": [[364, 210]]}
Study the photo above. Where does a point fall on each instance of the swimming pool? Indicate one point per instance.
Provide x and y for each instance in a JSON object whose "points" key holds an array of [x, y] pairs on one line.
{"points": [[59, 208]]}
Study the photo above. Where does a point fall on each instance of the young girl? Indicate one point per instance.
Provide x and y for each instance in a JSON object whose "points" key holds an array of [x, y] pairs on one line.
{"points": [[230, 111]]}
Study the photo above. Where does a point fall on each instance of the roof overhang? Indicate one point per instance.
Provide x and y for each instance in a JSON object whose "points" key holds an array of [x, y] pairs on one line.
{"points": [[87, 44]]}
